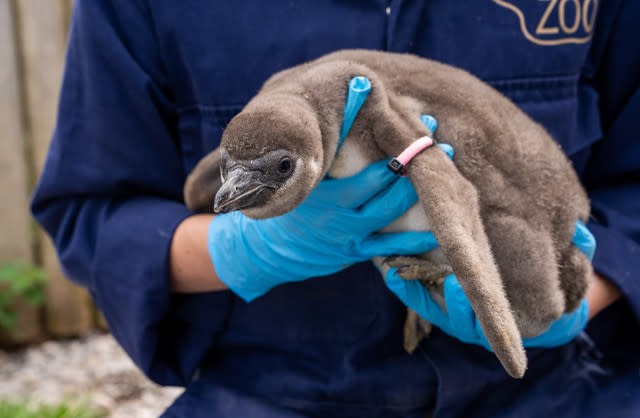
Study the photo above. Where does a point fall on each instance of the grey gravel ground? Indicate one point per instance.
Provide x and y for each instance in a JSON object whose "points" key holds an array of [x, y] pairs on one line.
{"points": [[93, 368]]}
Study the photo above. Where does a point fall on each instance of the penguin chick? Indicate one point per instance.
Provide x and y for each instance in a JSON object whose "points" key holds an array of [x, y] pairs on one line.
{"points": [[505, 232]]}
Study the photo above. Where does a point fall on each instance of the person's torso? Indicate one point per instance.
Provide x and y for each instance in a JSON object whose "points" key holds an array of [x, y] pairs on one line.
{"points": [[336, 342]]}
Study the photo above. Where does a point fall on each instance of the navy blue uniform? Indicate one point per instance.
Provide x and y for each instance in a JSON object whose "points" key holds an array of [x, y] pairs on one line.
{"points": [[147, 91]]}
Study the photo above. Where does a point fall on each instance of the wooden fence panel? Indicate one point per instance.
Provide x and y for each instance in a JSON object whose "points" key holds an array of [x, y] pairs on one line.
{"points": [[43, 29], [15, 230]]}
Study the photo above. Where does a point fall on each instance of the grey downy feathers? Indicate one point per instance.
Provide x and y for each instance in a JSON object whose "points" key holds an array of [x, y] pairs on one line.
{"points": [[503, 211]]}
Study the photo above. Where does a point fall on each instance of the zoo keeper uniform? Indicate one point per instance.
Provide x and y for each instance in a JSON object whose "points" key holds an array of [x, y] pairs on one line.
{"points": [[149, 87]]}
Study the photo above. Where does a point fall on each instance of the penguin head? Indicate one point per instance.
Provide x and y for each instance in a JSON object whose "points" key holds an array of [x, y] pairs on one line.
{"points": [[271, 157]]}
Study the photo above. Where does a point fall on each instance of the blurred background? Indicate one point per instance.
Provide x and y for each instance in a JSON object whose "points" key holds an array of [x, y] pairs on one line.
{"points": [[56, 357]]}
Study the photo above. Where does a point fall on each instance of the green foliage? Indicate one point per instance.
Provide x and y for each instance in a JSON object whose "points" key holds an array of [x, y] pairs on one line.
{"points": [[23, 409], [19, 280]]}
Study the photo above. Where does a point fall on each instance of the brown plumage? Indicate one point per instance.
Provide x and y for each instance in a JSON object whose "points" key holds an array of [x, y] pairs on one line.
{"points": [[503, 211]]}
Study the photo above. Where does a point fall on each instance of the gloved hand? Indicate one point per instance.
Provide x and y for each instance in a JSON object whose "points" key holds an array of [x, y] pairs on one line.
{"points": [[460, 321], [331, 230]]}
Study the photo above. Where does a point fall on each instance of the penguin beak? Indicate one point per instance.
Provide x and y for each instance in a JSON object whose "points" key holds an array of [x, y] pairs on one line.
{"points": [[243, 188]]}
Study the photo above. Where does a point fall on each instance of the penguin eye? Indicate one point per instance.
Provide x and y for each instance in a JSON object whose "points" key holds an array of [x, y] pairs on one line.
{"points": [[284, 167]]}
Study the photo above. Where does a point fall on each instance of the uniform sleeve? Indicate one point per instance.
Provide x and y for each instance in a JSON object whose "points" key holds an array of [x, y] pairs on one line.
{"points": [[110, 193], [612, 175]]}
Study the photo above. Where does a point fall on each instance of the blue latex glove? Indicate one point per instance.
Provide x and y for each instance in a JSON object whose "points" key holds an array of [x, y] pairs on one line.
{"points": [[331, 230], [460, 321]]}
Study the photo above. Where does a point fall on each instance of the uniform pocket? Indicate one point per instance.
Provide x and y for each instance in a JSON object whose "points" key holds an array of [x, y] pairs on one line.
{"points": [[566, 108], [200, 129]]}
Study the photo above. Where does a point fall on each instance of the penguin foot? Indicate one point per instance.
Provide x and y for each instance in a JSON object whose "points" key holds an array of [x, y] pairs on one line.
{"points": [[430, 274], [415, 330]]}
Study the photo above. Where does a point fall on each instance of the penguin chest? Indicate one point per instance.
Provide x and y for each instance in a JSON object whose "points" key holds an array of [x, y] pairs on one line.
{"points": [[352, 158]]}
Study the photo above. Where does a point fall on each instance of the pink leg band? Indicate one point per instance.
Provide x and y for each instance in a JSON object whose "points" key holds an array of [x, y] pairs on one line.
{"points": [[413, 149], [397, 164]]}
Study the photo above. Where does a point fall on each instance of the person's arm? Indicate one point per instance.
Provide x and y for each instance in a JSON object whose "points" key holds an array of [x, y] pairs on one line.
{"points": [[110, 195], [601, 294], [190, 265]]}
